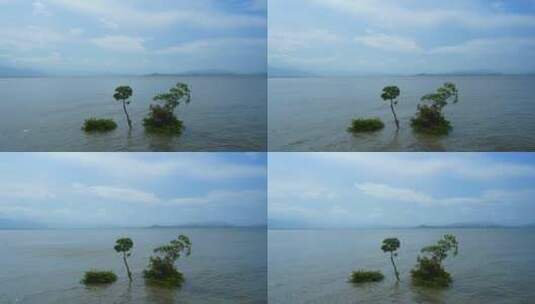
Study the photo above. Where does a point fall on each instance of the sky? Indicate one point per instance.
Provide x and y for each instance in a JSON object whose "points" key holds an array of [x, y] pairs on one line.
{"points": [[133, 189], [402, 37], [332, 190], [135, 36]]}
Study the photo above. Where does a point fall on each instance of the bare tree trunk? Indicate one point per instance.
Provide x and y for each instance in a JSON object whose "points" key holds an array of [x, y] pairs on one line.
{"points": [[394, 264], [127, 268], [394, 112], [127, 116]]}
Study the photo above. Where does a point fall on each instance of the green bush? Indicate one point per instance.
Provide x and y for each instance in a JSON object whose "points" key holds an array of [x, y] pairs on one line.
{"points": [[362, 276], [162, 121], [95, 277], [429, 120], [162, 272], [430, 273], [366, 125], [99, 125]]}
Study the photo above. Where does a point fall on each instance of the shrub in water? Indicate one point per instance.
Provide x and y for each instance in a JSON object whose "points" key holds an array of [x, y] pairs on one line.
{"points": [[99, 125], [362, 276], [429, 120], [161, 118], [162, 270], [429, 271], [366, 125], [95, 277]]}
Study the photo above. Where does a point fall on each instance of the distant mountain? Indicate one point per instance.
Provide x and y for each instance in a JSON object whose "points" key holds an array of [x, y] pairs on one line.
{"points": [[463, 225], [287, 72], [205, 225], [8, 224], [16, 72]]}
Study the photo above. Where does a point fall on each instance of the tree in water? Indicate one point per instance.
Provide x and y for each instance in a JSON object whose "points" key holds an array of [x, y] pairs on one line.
{"points": [[391, 93], [391, 245], [162, 270], [122, 94], [429, 118], [429, 271], [124, 246], [161, 118]]}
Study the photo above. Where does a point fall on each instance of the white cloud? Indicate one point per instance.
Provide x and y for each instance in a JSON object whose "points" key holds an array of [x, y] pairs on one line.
{"points": [[120, 13], [119, 194], [392, 15], [389, 43], [213, 45], [40, 9], [29, 38], [282, 40], [120, 43], [234, 197], [25, 191], [481, 47]]}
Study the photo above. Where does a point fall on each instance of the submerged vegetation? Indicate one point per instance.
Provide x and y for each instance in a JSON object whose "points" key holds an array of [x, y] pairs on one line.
{"points": [[362, 276], [429, 272], [122, 94], [161, 270], [391, 245], [124, 246], [366, 125], [95, 277], [391, 93], [99, 125], [429, 119], [161, 118]]}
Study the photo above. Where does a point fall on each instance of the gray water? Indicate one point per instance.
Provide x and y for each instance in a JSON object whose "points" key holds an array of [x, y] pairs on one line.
{"points": [[494, 113], [45, 266], [312, 266], [46, 114]]}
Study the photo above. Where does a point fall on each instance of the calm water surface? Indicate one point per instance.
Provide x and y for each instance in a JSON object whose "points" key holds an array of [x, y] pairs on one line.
{"points": [[495, 113], [45, 266], [46, 114], [309, 266]]}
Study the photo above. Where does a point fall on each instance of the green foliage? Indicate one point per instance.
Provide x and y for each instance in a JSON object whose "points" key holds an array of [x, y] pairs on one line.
{"points": [[124, 246], [390, 93], [429, 118], [99, 125], [391, 245], [122, 93], [162, 121], [366, 125], [161, 118], [162, 270], [429, 271], [362, 276], [95, 277]]}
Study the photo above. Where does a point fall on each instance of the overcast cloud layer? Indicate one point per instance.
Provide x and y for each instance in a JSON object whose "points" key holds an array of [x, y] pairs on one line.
{"points": [[133, 189], [400, 189], [114, 36], [402, 37]]}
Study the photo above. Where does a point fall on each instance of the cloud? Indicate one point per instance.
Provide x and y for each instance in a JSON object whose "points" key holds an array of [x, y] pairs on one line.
{"points": [[481, 47], [122, 14], [391, 14], [120, 194], [25, 191], [386, 192], [120, 43], [40, 9], [213, 45], [464, 166], [233, 197], [29, 38], [389, 43]]}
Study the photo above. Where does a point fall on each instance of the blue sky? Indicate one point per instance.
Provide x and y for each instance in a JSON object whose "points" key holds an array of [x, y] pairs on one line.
{"points": [[115, 36], [402, 37], [133, 189], [400, 189]]}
